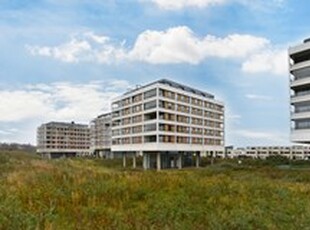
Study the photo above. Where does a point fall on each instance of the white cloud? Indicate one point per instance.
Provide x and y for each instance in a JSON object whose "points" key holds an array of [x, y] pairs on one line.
{"points": [[258, 97], [180, 4], [68, 52], [174, 5], [267, 61], [181, 45], [58, 101], [175, 45], [85, 47]]}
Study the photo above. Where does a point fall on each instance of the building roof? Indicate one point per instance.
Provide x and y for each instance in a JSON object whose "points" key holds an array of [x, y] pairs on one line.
{"points": [[175, 85], [104, 115], [72, 123]]}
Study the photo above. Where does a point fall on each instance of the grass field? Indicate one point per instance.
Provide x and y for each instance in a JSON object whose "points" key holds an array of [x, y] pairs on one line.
{"points": [[98, 194]]}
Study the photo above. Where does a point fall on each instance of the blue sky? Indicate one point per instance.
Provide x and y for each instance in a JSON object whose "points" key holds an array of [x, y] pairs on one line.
{"points": [[65, 60]]}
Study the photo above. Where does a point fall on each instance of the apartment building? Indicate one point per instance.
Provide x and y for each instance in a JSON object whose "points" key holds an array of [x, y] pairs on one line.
{"points": [[100, 136], [262, 152], [166, 121], [61, 139], [299, 59]]}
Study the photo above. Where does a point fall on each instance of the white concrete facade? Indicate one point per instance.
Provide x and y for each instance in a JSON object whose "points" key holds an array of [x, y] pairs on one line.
{"points": [[262, 152], [165, 116], [299, 60], [57, 139]]}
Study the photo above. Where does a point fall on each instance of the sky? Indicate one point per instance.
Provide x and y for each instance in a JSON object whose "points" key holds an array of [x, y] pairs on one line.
{"points": [[65, 60]]}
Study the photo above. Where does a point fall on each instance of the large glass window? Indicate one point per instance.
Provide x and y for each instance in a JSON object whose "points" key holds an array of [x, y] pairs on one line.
{"points": [[150, 93], [150, 127], [167, 105], [302, 124], [166, 93], [150, 105], [137, 129], [150, 139], [302, 108]]}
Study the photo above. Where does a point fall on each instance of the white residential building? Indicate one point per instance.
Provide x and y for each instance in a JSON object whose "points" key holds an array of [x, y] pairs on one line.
{"points": [[165, 121], [100, 136], [299, 58], [62, 139], [262, 152]]}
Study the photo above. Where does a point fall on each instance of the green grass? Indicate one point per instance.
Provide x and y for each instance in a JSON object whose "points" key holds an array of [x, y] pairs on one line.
{"points": [[98, 194]]}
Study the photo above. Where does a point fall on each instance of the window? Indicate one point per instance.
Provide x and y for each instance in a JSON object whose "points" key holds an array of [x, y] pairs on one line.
{"points": [[150, 93], [166, 116], [137, 119], [183, 98], [136, 140], [183, 129], [137, 129], [150, 105], [166, 105], [183, 140], [137, 98], [150, 116], [126, 101], [303, 124], [166, 93], [166, 139], [150, 139], [166, 128], [137, 108], [150, 127], [183, 108], [126, 131]]}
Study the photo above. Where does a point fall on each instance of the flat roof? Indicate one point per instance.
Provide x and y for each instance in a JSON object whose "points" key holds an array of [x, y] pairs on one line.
{"points": [[104, 115], [72, 123], [177, 86]]}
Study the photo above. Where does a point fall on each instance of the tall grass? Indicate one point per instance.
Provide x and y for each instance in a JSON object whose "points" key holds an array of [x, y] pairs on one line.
{"points": [[86, 194]]}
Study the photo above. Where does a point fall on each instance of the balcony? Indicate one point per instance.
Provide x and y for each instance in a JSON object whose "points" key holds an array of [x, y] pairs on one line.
{"points": [[302, 115], [301, 98], [300, 82], [300, 65], [300, 135]]}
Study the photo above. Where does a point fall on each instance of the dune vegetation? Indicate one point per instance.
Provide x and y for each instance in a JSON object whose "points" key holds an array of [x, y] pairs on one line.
{"points": [[100, 194]]}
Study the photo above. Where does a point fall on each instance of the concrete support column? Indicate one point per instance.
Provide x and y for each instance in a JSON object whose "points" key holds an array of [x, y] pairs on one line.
{"points": [[303, 154], [134, 163], [158, 161], [197, 159], [124, 160], [179, 160], [146, 163]]}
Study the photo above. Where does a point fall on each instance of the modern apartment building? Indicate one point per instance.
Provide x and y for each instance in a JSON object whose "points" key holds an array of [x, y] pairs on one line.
{"points": [[299, 59], [100, 136], [165, 121], [262, 152], [60, 139]]}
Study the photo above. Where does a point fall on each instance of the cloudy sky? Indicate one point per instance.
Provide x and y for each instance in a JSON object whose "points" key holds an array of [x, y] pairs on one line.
{"points": [[65, 60]]}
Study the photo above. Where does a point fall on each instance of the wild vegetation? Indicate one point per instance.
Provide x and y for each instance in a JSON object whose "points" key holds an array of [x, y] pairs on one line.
{"points": [[100, 194]]}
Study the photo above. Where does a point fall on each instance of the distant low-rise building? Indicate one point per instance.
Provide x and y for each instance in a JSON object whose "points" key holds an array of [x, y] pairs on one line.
{"points": [[62, 139], [262, 152], [101, 136]]}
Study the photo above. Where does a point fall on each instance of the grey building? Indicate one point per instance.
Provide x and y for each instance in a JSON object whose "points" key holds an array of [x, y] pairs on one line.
{"points": [[299, 60], [62, 139], [101, 136]]}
